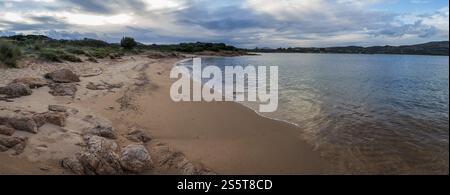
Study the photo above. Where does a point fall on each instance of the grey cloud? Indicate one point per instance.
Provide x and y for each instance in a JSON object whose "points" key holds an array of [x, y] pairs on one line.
{"points": [[223, 21], [108, 6]]}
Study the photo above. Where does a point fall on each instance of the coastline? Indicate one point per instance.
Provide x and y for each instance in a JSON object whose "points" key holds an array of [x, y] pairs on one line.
{"points": [[225, 137]]}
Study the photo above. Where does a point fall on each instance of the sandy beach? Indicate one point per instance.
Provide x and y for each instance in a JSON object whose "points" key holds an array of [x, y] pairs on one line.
{"points": [[186, 138]]}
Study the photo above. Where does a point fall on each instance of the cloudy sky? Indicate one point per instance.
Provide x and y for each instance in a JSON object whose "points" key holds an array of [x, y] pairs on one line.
{"points": [[244, 23]]}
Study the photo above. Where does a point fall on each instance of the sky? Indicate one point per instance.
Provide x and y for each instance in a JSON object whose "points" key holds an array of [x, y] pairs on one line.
{"points": [[243, 23]]}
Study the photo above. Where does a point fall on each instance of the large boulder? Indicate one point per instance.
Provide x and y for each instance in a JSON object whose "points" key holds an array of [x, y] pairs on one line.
{"points": [[63, 76], [135, 158], [31, 82], [63, 89], [99, 158], [15, 90]]}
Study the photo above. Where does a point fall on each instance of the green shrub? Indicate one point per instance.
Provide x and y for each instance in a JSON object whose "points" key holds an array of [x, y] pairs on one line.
{"points": [[9, 54], [128, 43], [76, 51], [37, 47], [49, 56], [55, 55], [99, 53], [70, 58]]}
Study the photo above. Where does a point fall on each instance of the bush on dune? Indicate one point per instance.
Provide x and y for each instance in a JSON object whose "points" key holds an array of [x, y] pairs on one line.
{"points": [[50, 55], [128, 43], [76, 51], [70, 58], [9, 54], [58, 56]]}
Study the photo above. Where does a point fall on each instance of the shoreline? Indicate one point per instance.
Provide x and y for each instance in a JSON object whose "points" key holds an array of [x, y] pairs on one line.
{"points": [[205, 128], [248, 143]]}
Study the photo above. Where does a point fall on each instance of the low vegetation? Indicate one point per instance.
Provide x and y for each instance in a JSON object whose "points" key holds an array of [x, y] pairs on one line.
{"points": [[9, 54], [48, 49]]}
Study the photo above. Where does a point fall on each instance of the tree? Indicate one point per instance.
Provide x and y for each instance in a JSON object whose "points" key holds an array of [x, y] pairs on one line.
{"points": [[128, 43]]}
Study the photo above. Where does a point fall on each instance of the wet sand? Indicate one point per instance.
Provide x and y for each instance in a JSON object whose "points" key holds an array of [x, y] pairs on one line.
{"points": [[224, 136]]}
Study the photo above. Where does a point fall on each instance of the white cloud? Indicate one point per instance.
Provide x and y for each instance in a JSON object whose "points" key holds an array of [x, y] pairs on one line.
{"points": [[244, 23]]}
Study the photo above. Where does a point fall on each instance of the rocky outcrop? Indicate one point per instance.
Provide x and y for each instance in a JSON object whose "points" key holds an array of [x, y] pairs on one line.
{"points": [[177, 160], [55, 118], [138, 135], [15, 90], [135, 158], [63, 76], [28, 121], [6, 130], [16, 143], [63, 89], [31, 82], [99, 158], [19, 121], [101, 127]]}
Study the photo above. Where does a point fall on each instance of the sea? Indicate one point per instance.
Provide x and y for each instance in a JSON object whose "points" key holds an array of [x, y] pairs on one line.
{"points": [[365, 114]]}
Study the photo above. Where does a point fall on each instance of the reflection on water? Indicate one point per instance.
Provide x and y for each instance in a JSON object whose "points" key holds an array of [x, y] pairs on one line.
{"points": [[383, 114]]}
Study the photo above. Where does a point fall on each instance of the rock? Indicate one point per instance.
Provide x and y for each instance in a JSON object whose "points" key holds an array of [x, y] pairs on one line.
{"points": [[135, 158], [3, 148], [31, 82], [18, 148], [6, 130], [93, 86], [177, 160], [140, 83], [102, 127], [63, 89], [103, 86], [73, 164], [15, 90], [20, 121], [55, 118], [16, 143], [138, 135], [63, 76], [99, 158], [90, 72], [44, 168], [96, 143], [57, 108]]}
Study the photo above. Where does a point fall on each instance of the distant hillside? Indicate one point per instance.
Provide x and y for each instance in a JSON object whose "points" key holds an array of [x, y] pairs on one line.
{"points": [[431, 48], [14, 48]]}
